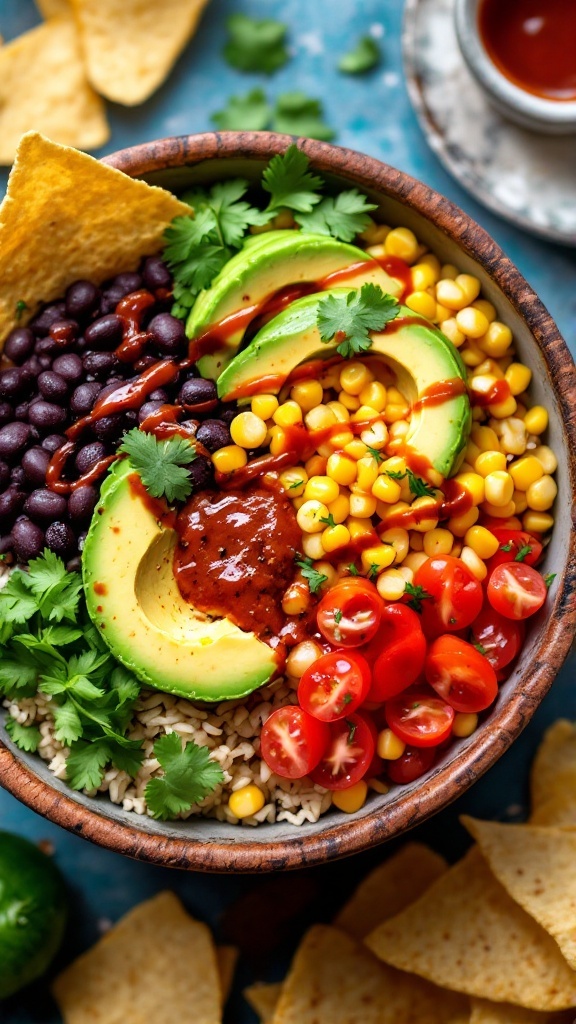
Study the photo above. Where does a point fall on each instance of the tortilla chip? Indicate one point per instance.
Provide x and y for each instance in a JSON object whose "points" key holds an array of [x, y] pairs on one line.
{"points": [[68, 216], [263, 998], [43, 86], [559, 811], [335, 979], [226, 958], [390, 888], [466, 933], [553, 773], [130, 45], [54, 8], [157, 964], [485, 1012], [537, 867]]}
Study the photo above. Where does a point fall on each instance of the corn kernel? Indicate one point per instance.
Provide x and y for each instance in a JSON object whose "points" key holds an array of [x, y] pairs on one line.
{"points": [[498, 488], [485, 438], [452, 331], [307, 394], [464, 724], [393, 412], [414, 560], [513, 435], [374, 233], [375, 435], [341, 468], [450, 294], [316, 465], [287, 414], [367, 472], [423, 277], [449, 271], [490, 366], [537, 522], [293, 481], [381, 556], [365, 413], [490, 462], [277, 441], [499, 511], [473, 562], [400, 541], [500, 410], [443, 314], [312, 545], [319, 418], [362, 506], [359, 527], [301, 657], [321, 488], [541, 495], [350, 402], [403, 243], [246, 802], [356, 449], [339, 509], [378, 786], [429, 523], [391, 585], [389, 746], [472, 356], [546, 458], [336, 443], [352, 799], [458, 525], [472, 452], [484, 543], [485, 307], [264, 406], [518, 377], [309, 517], [328, 570], [296, 599], [354, 377], [406, 573], [525, 472], [340, 411], [437, 542], [416, 541], [335, 537], [398, 431], [536, 420], [431, 261], [520, 502], [422, 303], [386, 489], [472, 322], [497, 340], [227, 459]]}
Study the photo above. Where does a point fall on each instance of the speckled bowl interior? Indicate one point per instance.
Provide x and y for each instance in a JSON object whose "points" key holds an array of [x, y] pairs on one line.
{"points": [[205, 844]]}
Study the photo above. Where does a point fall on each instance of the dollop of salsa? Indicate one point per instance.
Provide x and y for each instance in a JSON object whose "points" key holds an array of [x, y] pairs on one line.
{"points": [[235, 556]]}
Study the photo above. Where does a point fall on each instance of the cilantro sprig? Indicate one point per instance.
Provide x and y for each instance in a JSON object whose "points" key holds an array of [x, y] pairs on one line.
{"points": [[296, 113], [161, 465], [363, 57], [523, 553], [251, 112], [349, 318], [189, 776], [255, 45], [418, 487], [313, 578], [417, 594]]}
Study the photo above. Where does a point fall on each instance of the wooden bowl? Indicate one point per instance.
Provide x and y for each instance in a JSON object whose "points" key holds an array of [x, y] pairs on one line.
{"points": [[207, 845]]}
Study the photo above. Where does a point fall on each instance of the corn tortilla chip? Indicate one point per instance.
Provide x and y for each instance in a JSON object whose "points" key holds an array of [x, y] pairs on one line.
{"points": [[559, 811], [537, 867], [130, 46], [43, 86], [157, 964], [389, 888], [553, 771], [485, 1012], [54, 8], [263, 998], [226, 958], [466, 933], [337, 980], [67, 216]]}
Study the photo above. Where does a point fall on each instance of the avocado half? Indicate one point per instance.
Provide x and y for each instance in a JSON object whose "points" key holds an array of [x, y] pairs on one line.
{"points": [[419, 354], [133, 599], [267, 263]]}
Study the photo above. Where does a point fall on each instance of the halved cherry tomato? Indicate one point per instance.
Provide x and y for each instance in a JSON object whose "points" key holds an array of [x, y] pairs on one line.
{"points": [[455, 595], [513, 543], [419, 717], [396, 653], [334, 685], [499, 638], [516, 590], [349, 613], [492, 523], [462, 676], [414, 762], [349, 754], [292, 741]]}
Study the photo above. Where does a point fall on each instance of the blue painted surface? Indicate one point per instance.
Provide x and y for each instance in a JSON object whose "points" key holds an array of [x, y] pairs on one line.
{"points": [[372, 114]]}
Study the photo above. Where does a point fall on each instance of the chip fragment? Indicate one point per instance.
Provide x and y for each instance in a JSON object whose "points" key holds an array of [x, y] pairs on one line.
{"points": [[263, 997], [226, 958], [553, 773], [485, 1012], [54, 8]]}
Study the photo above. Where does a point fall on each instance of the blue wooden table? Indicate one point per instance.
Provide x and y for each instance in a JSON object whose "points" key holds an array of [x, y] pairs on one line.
{"points": [[372, 114]]}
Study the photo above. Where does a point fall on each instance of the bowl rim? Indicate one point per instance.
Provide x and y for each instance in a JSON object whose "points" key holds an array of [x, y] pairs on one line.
{"points": [[352, 834]]}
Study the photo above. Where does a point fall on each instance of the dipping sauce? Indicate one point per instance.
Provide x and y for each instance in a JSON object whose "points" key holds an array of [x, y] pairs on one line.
{"points": [[533, 43], [235, 556]]}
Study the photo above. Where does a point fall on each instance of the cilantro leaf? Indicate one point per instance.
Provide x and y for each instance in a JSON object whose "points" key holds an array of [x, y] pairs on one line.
{"points": [[161, 465], [373, 571], [18, 676], [549, 579], [189, 775], [376, 454], [290, 183], [20, 308], [343, 217], [419, 487], [86, 763], [365, 56], [479, 647], [296, 113], [523, 553], [314, 578], [17, 603], [329, 520], [417, 595], [68, 727], [251, 112], [255, 45], [506, 547], [295, 485], [338, 613], [26, 737], [349, 318], [396, 474], [353, 570]]}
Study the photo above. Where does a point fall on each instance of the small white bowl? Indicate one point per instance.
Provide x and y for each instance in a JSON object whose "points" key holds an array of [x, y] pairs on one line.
{"points": [[550, 117]]}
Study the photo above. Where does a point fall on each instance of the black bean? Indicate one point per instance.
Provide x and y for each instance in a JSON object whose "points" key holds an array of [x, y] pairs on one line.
{"points": [[19, 345], [6, 413], [45, 362], [131, 418], [45, 506], [32, 367], [110, 299], [81, 504], [53, 442], [144, 362], [46, 347], [213, 434], [13, 440], [68, 366], [105, 333], [74, 564], [82, 299], [52, 386], [4, 474], [109, 428], [6, 544], [46, 415], [148, 409], [64, 332], [98, 364], [21, 411], [201, 472], [35, 463], [156, 274], [61, 539], [28, 539], [228, 415], [112, 385], [88, 455], [158, 396], [198, 390], [169, 333], [129, 282], [13, 383], [11, 501], [43, 322], [83, 398], [18, 477]]}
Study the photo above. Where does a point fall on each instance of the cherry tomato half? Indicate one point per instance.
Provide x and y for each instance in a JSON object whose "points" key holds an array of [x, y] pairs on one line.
{"points": [[420, 718], [499, 638], [455, 595], [414, 762], [513, 543], [396, 653], [349, 754], [349, 614], [292, 742], [460, 674], [516, 590], [334, 685]]}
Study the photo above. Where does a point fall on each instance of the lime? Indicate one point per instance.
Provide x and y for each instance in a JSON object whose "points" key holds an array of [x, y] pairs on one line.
{"points": [[32, 912]]}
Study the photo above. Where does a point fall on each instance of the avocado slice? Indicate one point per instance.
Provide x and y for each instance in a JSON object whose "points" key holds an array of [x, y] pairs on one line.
{"points": [[272, 261], [418, 352], [133, 599]]}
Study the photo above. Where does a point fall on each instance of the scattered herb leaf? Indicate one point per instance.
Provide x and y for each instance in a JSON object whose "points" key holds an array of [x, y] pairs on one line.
{"points": [[290, 182], [523, 553], [352, 727], [329, 520], [20, 308], [417, 595], [255, 45], [376, 454], [26, 737], [189, 775], [314, 578], [337, 615], [418, 486], [161, 465], [396, 474], [373, 571], [296, 113], [251, 112], [506, 547], [479, 647], [549, 579], [349, 318], [363, 57], [297, 483], [353, 570], [343, 217]]}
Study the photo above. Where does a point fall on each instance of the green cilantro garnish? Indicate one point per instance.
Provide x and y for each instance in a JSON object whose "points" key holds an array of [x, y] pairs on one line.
{"points": [[417, 595], [347, 699], [373, 571], [418, 486], [396, 474], [375, 454], [297, 483], [161, 465], [364, 57], [314, 578], [452, 620], [251, 112], [479, 647], [506, 547], [26, 737], [349, 318], [189, 775], [337, 615], [329, 520], [353, 570], [255, 45], [296, 113], [352, 727], [290, 183], [343, 217], [20, 308], [523, 553], [549, 579]]}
